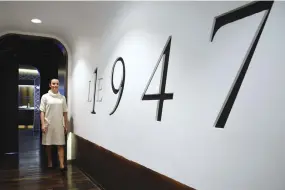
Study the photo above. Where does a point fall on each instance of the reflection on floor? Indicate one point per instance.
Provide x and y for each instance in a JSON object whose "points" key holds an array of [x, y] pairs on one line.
{"points": [[32, 176]]}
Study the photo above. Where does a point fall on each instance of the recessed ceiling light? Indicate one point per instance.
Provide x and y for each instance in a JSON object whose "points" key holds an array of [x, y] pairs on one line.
{"points": [[36, 21]]}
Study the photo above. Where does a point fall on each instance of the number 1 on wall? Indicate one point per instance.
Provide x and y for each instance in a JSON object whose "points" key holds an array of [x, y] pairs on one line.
{"points": [[94, 93]]}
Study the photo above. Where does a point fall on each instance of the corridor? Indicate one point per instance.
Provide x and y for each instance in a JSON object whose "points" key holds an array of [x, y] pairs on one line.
{"points": [[155, 95], [31, 174]]}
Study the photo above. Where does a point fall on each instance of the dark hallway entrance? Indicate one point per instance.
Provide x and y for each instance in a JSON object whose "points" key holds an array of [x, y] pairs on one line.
{"points": [[22, 158], [49, 57], [9, 146]]}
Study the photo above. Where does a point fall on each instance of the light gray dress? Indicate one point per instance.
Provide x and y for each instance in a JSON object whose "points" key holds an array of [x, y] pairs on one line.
{"points": [[53, 105]]}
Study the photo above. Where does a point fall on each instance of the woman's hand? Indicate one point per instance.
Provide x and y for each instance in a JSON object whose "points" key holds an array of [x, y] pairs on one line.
{"points": [[65, 122], [44, 129], [65, 129]]}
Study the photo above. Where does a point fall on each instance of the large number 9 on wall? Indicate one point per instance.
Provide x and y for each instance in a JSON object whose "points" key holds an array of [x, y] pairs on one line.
{"points": [[122, 84]]}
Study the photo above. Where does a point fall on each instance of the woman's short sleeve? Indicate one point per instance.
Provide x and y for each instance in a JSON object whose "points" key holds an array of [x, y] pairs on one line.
{"points": [[65, 109], [43, 104]]}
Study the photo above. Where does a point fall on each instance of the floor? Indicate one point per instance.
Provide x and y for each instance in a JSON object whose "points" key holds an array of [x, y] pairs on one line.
{"points": [[32, 174]]}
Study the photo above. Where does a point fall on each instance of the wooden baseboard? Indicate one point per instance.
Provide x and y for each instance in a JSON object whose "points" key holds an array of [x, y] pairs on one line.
{"points": [[70, 162], [114, 172]]}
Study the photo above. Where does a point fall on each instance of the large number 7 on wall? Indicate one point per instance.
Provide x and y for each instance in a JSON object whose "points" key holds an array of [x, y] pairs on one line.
{"points": [[225, 19]]}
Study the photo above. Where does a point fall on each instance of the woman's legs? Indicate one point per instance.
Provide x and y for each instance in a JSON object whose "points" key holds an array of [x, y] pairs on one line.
{"points": [[60, 150], [48, 151]]}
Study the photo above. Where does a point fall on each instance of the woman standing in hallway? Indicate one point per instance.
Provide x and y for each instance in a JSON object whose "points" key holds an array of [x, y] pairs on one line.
{"points": [[54, 122]]}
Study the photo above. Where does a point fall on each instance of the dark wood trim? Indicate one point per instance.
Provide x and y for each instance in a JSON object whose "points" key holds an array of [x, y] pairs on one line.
{"points": [[91, 178], [70, 162], [114, 172]]}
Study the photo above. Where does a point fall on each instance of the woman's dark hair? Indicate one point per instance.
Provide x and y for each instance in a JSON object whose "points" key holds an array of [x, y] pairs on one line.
{"points": [[52, 79]]}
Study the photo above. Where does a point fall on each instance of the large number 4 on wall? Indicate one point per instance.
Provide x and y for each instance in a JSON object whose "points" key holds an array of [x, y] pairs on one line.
{"points": [[225, 19], [162, 95]]}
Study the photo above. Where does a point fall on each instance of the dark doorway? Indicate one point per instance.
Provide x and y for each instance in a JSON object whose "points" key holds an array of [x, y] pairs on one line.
{"points": [[29, 117], [9, 111], [49, 57]]}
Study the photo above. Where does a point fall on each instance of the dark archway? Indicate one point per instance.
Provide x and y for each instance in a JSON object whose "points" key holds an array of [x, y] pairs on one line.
{"points": [[46, 54]]}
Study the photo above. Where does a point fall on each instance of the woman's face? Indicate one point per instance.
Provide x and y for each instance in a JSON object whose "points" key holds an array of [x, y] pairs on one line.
{"points": [[54, 85]]}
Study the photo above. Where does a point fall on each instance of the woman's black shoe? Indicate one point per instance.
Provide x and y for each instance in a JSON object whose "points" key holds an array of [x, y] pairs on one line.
{"points": [[62, 170]]}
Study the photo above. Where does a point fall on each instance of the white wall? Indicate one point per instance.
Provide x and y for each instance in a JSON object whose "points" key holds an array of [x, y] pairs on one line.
{"points": [[248, 154]]}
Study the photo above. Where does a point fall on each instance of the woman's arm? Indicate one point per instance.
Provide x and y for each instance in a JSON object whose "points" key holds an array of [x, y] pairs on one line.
{"points": [[43, 109], [43, 121], [65, 115], [65, 121]]}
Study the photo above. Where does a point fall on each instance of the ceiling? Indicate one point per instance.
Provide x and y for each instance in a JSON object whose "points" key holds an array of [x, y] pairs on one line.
{"points": [[65, 20]]}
